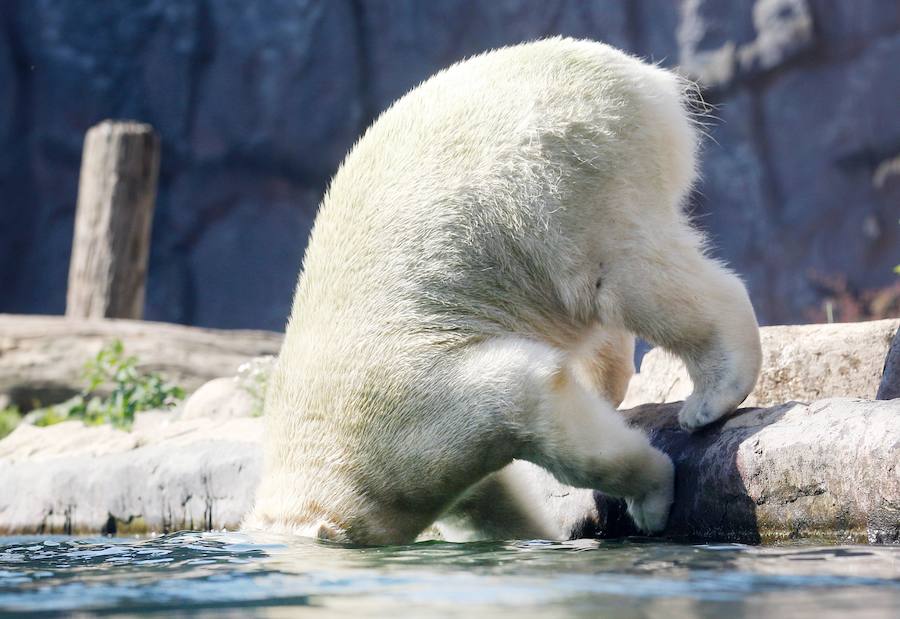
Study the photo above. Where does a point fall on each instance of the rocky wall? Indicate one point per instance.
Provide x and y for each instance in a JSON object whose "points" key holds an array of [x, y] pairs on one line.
{"points": [[257, 102]]}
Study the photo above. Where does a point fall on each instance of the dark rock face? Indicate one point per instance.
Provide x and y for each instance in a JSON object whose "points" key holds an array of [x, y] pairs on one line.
{"points": [[890, 378], [257, 103]]}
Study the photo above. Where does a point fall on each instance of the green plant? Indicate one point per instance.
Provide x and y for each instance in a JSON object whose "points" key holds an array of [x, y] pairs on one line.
{"points": [[129, 392], [9, 419], [253, 377]]}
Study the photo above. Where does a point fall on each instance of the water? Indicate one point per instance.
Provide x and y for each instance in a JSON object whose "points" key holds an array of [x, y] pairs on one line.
{"points": [[218, 574]]}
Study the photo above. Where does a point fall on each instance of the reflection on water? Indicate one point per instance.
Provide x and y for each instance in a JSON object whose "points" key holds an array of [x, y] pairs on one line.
{"points": [[274, 576]]}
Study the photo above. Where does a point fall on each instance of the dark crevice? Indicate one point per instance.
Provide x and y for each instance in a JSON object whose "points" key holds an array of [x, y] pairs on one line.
{"points": [[633, 26], [110, 527], [188, 292], [19, 172], [365, 96], [204, 53], [771, 195], [553, 23]]}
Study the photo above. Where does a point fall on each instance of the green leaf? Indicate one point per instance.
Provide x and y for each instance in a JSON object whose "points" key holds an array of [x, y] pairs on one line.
{"points": [[129, 392], [9, 419]]}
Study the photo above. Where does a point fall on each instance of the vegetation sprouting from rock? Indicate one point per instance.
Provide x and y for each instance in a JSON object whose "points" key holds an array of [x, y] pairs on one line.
{"points": [[9, 419], [115, 390], [253, 377]]}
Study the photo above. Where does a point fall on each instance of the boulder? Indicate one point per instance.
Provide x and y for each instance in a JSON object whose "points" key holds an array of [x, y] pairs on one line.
{"points": [[42, 357], [220, 398], [164, 475], [826, 470], [800, 362]]}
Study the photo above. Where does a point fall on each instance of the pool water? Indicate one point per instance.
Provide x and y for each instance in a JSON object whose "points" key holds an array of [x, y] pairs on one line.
{"points": [[221, 574]]}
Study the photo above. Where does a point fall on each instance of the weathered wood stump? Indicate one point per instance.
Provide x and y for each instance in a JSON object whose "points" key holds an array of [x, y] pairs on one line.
{"points": [[116, 195]]}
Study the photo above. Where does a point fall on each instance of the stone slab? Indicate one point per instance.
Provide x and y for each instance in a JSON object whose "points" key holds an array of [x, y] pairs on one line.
{"points": [[800, 362], [826, 471]]}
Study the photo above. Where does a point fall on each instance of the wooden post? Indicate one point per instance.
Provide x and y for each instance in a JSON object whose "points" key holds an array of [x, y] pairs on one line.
{"points": [[116, 195]]}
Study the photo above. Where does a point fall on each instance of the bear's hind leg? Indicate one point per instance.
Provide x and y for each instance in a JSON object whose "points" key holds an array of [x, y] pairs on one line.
{"points": [[507, 504]]}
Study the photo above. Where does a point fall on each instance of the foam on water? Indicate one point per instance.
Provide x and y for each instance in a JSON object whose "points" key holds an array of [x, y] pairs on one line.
{"points": [[219, 572]]}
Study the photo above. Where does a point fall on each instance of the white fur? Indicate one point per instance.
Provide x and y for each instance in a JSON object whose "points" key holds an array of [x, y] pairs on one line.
{"points": [[468, 294]]}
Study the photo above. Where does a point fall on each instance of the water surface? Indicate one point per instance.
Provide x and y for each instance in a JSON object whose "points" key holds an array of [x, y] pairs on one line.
{"points": [[223, 573]]}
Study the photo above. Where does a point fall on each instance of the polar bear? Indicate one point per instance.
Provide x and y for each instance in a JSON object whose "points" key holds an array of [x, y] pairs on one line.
{"points": [[469, 293]]}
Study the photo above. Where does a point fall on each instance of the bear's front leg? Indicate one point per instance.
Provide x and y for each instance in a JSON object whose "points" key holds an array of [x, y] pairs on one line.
{"points": [[724, 365], [568, 429], [670, 294], [587, 444]]}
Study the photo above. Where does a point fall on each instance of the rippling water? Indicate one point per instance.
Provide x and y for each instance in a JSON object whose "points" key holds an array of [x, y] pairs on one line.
{"points": [[218, 573]]}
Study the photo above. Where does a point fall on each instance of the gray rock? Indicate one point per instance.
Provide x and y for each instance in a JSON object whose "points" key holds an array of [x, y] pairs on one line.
{"points": [[846, 26], [890, 379], [709, 34], [220, 398], [140, 67], [422, 37], [784, 30], [718, 43], [654, 26], [280, 87], [826, 471], [734, 202], [267, 230], [72, 77], [828, 151], [257, 104], [164, 475], [10, 89], [11, 231], [803, 362], [249, 124]]}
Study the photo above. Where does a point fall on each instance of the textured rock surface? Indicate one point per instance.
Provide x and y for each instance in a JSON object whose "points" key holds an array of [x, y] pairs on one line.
{"points": [[827, 470], [165, 475], [257, 102], [43, 357], [802, 362], [220, 398]]}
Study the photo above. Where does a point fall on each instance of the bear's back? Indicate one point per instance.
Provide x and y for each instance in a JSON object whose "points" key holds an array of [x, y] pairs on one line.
{"points": [[461, 194]]}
